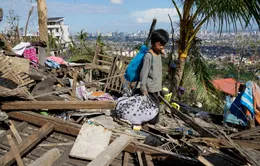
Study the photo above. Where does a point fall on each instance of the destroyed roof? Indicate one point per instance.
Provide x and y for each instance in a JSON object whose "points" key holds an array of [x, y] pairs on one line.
{"points": [[55, 19], [227, 85]]}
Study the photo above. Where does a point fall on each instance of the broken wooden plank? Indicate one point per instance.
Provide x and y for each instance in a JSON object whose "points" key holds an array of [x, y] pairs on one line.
{"points": [[57, 105], [56, 144], [90, 142], [147, 160], [74, 85], [27, 144], [14, 150], [15, 133], [126, 158], [47, 158], [201, 130], [107, 156]]}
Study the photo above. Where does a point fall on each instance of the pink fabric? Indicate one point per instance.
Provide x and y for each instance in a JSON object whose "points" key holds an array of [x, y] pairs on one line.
{"points": [[59, 60], [30, 53]]}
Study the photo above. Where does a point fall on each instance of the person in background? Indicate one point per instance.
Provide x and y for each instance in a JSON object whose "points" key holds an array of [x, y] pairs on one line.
{"points": [[151, 73]]}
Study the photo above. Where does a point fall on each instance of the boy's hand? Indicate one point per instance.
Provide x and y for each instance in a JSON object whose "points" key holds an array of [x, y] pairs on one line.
{"points": [[145, 93], [163, 52]]}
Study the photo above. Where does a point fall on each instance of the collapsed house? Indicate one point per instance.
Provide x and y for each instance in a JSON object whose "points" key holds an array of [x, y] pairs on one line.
{"points": [[64, 116]]}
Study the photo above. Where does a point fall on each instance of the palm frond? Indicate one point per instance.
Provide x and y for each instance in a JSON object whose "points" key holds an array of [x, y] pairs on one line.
{"points": [[203, 77], [230, 12]]}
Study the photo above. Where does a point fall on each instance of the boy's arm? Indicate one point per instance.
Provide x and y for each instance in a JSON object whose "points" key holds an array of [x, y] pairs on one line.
{"points": [[144, 73]]}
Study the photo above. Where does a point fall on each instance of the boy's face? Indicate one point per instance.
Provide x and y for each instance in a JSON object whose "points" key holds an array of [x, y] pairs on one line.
{"points": [[158, 47]]}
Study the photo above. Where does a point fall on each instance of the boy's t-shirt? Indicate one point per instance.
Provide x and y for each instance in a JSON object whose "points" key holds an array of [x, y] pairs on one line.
{"points": [[151, 73]]}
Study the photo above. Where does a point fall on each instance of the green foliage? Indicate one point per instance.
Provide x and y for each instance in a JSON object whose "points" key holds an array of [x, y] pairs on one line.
{"points": [[81, 52], [99, 40], [82, 36], [53, 42], [210, 103]]}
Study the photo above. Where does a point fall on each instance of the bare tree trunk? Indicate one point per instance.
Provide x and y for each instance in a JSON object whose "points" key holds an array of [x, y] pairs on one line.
{"points": [[27, 22], [17, 39], [42, 21]]}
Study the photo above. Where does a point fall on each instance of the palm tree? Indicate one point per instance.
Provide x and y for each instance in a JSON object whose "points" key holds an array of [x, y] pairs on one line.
{"points": [[81, 36], [193, 14], [53, 41]]}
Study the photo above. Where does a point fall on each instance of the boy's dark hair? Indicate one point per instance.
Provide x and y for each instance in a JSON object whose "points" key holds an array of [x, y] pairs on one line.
{"points": [[160, 35]]}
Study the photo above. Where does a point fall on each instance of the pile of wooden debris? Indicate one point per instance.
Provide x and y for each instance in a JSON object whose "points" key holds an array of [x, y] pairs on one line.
{"points": [[65, 117]]}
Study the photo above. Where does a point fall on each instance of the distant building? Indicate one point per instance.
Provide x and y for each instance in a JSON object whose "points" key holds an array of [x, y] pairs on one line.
{"points": [[57, 28]]}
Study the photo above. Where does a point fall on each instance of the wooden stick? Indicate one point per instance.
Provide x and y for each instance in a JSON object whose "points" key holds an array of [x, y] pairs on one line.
{"points": [[126, 158], [74, 85], [30, 142], [15, 133], [19, 127], [107, 156], [204, 161], [57, 144], [14, 150], [57, 105], [140, 160], [150, 31], [47, 158]]}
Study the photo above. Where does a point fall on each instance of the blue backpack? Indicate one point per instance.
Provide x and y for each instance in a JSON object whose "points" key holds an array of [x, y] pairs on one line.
{"points": [[134, 68]]}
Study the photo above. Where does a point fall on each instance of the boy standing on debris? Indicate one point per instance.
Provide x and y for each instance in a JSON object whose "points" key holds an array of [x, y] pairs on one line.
{"points": [[151, 73]]}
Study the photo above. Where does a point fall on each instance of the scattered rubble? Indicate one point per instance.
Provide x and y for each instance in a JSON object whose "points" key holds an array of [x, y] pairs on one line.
{"points": [[64, 114]]}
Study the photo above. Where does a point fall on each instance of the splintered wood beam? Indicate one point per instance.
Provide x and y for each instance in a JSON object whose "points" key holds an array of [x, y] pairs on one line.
{"points": [[113, 150], [57, 105], [27, 144]]}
